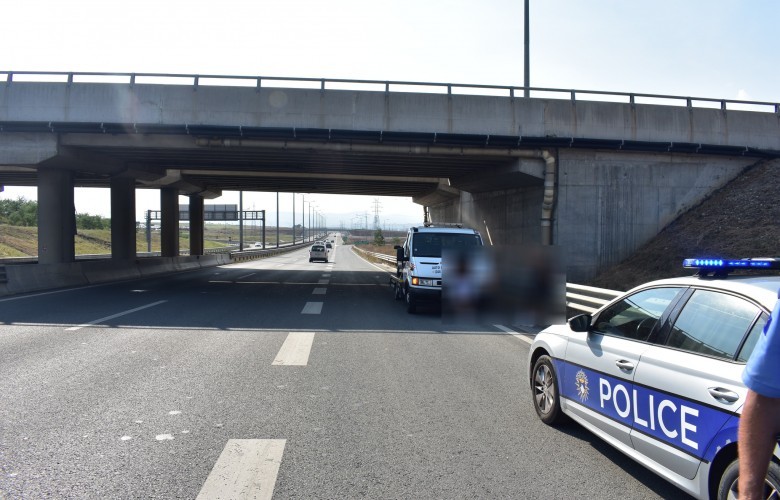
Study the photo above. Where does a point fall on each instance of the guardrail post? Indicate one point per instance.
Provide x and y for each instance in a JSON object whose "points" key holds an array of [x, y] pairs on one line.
{"points": [[689, 102], [9, 78], [573, 95], [70, 79], [322, 85], [387, 87], [511, 92], [449, 89], [723, 105], [631, 99], [195, 85], [259, 84], [132, 79]]}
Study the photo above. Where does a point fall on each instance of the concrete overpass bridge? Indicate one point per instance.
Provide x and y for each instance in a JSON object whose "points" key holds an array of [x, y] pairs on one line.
{"points": [[597, 173]]}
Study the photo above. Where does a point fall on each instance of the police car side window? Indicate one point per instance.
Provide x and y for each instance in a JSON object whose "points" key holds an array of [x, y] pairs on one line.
{"points": [[752, 338], [712, 323], [635, 316]]}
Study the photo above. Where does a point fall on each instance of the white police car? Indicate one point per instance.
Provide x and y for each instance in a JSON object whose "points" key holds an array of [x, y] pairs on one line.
{"points": [[656, 373]]}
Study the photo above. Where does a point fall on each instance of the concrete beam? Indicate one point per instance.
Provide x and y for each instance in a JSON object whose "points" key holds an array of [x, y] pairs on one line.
{"points": [[441, 194], [21, 148], [520, 173]]}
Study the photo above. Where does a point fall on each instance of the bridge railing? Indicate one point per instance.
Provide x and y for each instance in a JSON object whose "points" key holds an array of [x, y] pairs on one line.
{"points": [[197, 80]]}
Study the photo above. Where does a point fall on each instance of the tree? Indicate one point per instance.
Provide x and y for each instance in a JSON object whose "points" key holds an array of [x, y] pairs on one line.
{"points": [[19, 212], [379, 239]]}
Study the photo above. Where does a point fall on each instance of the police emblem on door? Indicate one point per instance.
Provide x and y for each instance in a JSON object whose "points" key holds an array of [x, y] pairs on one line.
{"points": [[581, 382]]}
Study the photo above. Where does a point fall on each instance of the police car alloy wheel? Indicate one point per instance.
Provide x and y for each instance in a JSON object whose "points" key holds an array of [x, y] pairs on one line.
{"points": [[545, 391], [728, 482]]}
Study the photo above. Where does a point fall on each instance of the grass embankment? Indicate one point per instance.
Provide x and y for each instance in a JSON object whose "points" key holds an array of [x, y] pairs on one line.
{"points": [[20, 241]]}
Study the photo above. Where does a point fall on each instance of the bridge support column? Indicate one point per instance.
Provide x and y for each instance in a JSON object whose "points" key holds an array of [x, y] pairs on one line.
{"points": [[123, 231], [56, 217], [196, 225], [169, 223]]}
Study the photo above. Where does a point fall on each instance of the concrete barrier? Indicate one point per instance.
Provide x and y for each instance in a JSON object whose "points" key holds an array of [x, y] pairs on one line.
{"points": [[23, 278], [102, 271]]}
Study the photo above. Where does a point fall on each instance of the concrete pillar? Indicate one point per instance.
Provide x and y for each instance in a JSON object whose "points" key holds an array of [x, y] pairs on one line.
{"points": [[169, 223], [123, 230], [196, 225], [56, 217]]}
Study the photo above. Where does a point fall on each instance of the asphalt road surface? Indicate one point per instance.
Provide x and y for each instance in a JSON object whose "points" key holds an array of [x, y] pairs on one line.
{"points": [[278, 378]]}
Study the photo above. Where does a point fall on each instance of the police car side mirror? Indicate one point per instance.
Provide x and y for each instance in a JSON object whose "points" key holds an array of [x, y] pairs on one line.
{"points": [[580, 323]]}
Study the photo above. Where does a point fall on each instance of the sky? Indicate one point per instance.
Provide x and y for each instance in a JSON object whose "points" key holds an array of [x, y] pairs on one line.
{"points": [[701, 48]]}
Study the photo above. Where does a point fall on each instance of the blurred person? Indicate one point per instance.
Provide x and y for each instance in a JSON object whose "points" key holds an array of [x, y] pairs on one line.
{"points": [[759, 424]]}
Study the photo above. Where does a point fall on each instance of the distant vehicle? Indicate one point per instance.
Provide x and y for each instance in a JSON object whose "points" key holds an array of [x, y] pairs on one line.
{"points": [[418, 275], [656, 373], [328, 245], [256, 244], [318, 252]]}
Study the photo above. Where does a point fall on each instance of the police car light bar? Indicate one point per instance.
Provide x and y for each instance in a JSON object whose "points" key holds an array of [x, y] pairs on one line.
{"points": [[731, 264]]}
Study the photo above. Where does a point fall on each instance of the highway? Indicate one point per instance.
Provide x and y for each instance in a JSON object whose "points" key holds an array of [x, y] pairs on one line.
{"points": [[278, 378]]}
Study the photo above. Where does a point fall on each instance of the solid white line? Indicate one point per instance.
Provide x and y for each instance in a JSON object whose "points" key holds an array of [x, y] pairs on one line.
{"points": [[246, 468], [514, 334], [84, 325], [312, 308], [319, 291], [295, 350]]}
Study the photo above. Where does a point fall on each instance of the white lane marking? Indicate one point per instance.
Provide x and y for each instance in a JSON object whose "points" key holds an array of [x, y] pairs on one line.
{"points": [[319, 291], [312, 308], [245, 276], [323, 282], [326, 275], [163, 437], [295, 350], [246, 468], [84, 325], [515, 334]]}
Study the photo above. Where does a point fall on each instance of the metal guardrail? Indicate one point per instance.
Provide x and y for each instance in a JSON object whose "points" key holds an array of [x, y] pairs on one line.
{"points": [[588, 298], [196, 80], [390, 259], [580, 297]]}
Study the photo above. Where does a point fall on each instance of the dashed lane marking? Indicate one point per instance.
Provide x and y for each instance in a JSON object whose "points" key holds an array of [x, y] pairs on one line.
{"points": [[246, 468], [295, 350], [319, 291], [245, 276], [323, 282], [123, 313], [515, 334], [312, 308]]}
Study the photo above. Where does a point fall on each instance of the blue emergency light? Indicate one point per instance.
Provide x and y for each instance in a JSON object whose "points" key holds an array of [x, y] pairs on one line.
{"points": [[731, 264]]}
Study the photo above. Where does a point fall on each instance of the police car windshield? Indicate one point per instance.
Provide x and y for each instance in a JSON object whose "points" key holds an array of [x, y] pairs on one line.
{"points": [[431, 244]]}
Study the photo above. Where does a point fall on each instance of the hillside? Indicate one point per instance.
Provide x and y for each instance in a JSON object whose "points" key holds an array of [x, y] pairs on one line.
{"points": [[742, 219]]}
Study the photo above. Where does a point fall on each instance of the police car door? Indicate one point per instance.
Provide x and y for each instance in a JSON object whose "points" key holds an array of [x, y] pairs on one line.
{"points": [[600, 364], [690, 386]]}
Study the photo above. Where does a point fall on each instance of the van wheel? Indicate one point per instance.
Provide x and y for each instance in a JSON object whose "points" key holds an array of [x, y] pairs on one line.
{"points": [[411, 303], [728, 481]]}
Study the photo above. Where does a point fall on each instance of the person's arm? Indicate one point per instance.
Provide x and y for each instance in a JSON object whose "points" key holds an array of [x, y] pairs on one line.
{"points": [[758, 426]]}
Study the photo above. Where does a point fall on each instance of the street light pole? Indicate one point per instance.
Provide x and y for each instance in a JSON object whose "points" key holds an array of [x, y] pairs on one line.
{"points": [[527, 70]]}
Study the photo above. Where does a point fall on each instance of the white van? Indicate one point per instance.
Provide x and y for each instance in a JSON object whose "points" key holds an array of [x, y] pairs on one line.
{"points": [[418, 261]]}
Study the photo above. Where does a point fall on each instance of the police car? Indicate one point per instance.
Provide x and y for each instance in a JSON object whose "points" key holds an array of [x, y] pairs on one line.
{"points": [[656, 373]]}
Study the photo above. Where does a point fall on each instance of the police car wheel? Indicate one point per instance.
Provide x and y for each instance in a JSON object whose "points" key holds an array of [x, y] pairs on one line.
{"points": [[544, 387], [728, 481]]}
